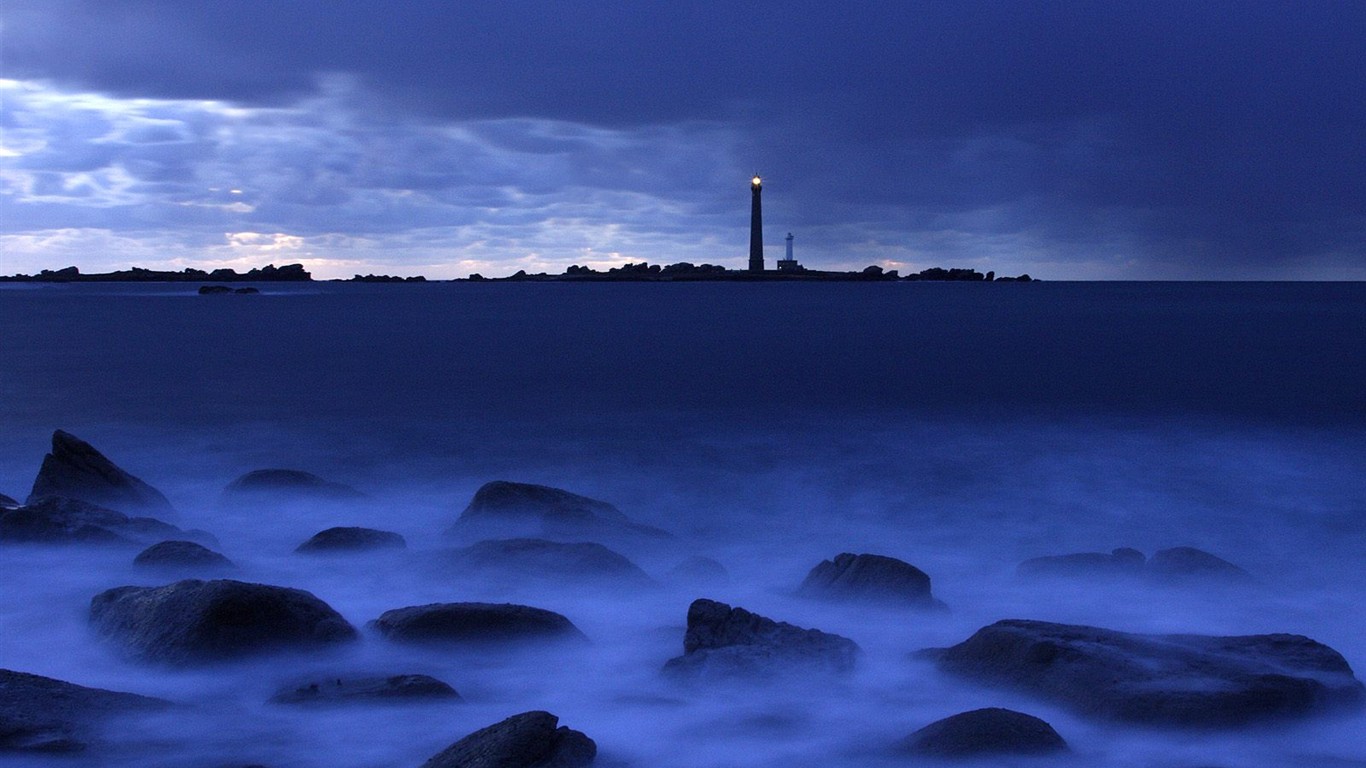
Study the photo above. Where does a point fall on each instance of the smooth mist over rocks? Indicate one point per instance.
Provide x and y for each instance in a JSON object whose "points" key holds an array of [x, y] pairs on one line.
{"points": [[346, 689], [1174, 680], [58, 520], [722, 641], [75, 470], [869, 579], [528, 740], [505, 509], [40, 714], [289, 484], [196, 622]]}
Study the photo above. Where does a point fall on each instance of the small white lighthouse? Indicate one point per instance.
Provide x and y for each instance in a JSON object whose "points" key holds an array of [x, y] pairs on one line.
{"points": [[789, 264]]}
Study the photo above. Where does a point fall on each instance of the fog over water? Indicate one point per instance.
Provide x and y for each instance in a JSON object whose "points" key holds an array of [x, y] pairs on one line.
{"points": [[960, 427]]}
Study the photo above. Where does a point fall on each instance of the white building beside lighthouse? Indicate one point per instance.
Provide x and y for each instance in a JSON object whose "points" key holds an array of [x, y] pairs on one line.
{"points": [[789, 264]]}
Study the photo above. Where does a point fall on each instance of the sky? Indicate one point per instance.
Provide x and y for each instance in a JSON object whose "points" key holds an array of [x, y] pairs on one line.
{"points": [[1219, 139]]}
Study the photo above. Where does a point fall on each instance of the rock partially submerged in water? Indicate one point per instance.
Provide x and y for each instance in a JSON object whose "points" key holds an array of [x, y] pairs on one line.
{"points": [[351, 539], [361, 690], [528, 740], [539, 560], [475, 623], [1178, 564], [700, 570], [724, 641], [194, 621], [182, 555], [504, 508], [40, 714], [983, 733], [7, 503], [56, 520], [288, 484], [1177, 680], [869, 578], [75, 470]]}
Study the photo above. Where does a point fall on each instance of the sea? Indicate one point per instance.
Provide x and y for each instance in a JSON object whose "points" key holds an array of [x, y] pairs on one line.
{"points": [[961, 427]]}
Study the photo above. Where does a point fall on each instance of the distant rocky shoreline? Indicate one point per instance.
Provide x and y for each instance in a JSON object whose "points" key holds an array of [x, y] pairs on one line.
{"points": [[642, 272]]}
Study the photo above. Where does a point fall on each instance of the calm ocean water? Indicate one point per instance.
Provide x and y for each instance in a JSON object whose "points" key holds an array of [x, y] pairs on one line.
{"points": [[961, 427]]}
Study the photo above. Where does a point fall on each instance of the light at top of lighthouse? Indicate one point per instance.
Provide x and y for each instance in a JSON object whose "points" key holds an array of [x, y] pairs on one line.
{"points": [[756, 181]]}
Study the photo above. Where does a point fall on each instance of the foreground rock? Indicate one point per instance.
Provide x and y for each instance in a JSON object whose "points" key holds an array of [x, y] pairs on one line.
{"points": [[204, 621], [291, 484], [72, 521], [503, 508], [477, 623], [1181, 680], [869, 578], [723, 641], [515, 561], [984, 732], [182, 555], [75, 470], [40, 714], [361, 690], [528, 740], [350, 539], [1177, 564]]}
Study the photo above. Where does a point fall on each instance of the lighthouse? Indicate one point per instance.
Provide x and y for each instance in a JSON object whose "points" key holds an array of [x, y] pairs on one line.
{"points": [[756, 225]]}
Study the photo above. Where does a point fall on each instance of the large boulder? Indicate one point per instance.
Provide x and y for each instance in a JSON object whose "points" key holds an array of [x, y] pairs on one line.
{"points": [[289, 484], [1120, 562], [725, 641], [361, 690], [1184, 680], [502, 508], [869, 578], [75, 470], [516, 561], [985, 732], [196, 621], [182, 555], [475, 623], [40, 714], [528, 740], [351, 539], [56, 520]]}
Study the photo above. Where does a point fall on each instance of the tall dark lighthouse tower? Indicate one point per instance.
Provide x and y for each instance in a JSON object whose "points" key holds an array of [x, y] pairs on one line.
{"points": [[756, 225]]}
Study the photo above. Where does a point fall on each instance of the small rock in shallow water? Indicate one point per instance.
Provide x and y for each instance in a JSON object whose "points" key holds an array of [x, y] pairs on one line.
{"points": [[476, 623], [291, 484], [182, 555], [869, 578], [75, 470], [346, 690], [1120, 562], [528, 740], [982, 732], [724, 641], [502, 508], [195, 621], [351, 539]]}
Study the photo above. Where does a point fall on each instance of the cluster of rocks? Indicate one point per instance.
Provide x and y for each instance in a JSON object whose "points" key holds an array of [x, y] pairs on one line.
{"points": [[1177, 564]]}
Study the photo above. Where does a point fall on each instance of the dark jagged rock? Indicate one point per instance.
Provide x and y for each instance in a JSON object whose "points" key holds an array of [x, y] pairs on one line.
{"points": [[7, 503], [869, 578], [75, 470], [700, 570], [40, 714], [723, 641], [528, 740], [289, 483], [1120, 562], [475, 623], [522, 560], [1191, 563], [204, 621], [174, 555], [214, 290], [349, 539], [71, 521], [983, 732], [348, 690], [522, 509], [1179, 680], [248, 291]]}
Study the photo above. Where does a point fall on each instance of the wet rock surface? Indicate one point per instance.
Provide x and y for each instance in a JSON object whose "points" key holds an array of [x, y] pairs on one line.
{"points": [[194, 621], [56, 520], [41, 714], [351, 539], [75, 470], [474, 623], [721, 640], [869, 578], [523, 509], [291, 484], [529, 740], [360, 690], [985, 732], [175, 555], [1174, 680]]}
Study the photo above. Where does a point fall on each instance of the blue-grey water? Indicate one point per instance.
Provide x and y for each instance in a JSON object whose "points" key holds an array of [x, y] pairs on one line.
{"points": [[960, 427]]}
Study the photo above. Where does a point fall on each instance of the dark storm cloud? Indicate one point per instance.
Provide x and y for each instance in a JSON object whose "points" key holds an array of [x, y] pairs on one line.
{"points": [[1224, 132]]}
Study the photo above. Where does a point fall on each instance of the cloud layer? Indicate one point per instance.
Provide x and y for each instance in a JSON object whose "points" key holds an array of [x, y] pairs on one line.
{"points": [[1166, 139]]}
